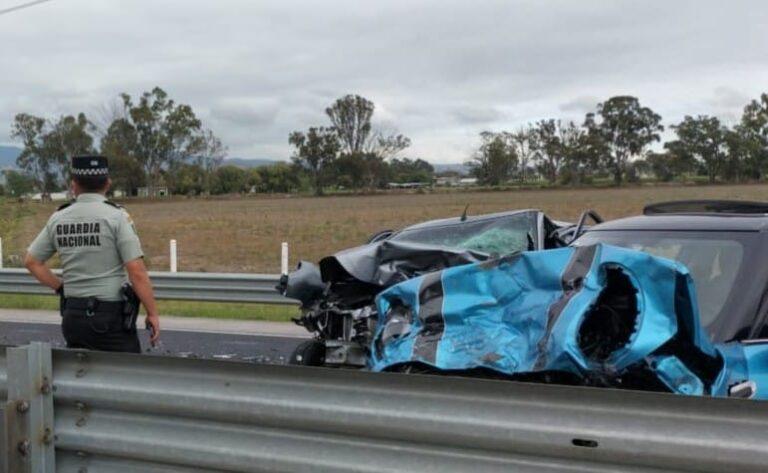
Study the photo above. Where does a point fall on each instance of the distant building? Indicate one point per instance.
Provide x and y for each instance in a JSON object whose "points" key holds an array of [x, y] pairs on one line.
{"points": [[447, 181], [407, 185], [468, 181], [54, 197], [160, 191]]}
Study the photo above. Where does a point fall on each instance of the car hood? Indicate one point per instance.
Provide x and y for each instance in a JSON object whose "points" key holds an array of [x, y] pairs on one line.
{"points": [[389, 262]]}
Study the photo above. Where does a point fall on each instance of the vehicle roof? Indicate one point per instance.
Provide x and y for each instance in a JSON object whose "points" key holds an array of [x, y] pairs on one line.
{"points": [[470, 218], [694, 222]]}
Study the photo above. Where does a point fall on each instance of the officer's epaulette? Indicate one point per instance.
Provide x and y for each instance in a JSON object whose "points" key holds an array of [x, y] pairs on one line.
{"points": [[113, 204], [64, 206]]}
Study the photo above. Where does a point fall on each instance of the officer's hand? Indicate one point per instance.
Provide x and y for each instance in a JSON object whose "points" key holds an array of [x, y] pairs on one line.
{"points": [[152, 322]]}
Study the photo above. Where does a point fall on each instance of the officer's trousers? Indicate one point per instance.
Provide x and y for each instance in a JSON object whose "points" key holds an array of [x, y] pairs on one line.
{"points": [[103, 330]]}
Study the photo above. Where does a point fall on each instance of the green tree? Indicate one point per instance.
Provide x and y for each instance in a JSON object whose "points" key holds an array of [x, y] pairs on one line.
{"points": [[18, 184], [208, 158], [351, 116], [740, 147], [230, 180], [279, 178], [49, 147], [627, 128], [702, 139], [581, 154], [120, 145], [410, 170], [753, 132], [316, 151], [495, 161], [364, 147], [189, 179], [549, 148], [661, 165], [167, 133], [34, 159], [526, 144], [70, 136]]}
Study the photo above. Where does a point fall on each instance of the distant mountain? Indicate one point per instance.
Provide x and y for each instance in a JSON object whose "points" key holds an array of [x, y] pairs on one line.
{"points": [[8, 155], [458, 167], [250, 163]]}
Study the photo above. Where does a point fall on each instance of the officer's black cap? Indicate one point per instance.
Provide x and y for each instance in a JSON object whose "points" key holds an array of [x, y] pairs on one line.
{"points": [[90, 166]]}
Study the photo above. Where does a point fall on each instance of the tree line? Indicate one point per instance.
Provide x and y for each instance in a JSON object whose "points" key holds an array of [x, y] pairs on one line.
{"points": [[615, 142], [154, 142]]}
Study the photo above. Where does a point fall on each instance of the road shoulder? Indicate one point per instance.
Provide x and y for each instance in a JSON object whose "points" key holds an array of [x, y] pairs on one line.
{"points": [[168, 322]]}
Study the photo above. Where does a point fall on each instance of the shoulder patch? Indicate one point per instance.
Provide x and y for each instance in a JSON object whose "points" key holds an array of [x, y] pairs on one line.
{"points": [[113, 204], [64, 206], [127, 216]]}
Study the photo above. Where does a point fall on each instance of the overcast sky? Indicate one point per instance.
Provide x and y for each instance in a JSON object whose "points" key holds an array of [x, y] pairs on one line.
{"points": [[439, 71]]}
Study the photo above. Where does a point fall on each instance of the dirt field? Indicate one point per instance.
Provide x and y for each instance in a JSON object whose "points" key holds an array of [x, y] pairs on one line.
{"points": [[244, 235]]}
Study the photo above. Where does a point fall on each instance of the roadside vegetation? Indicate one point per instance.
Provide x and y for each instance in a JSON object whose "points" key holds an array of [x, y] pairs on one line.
{"points": [[213, 310]]}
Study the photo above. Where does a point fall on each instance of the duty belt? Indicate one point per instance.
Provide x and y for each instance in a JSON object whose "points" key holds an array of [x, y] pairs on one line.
{"points": [[91, 305]]}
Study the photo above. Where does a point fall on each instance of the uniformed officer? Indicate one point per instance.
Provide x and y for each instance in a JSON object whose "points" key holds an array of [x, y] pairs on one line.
{"points": [[98, 247]]}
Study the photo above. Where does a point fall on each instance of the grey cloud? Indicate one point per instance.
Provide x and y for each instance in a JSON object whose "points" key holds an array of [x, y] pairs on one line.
{"points": [[246, 112], [471, 115], [439, 70], [582, 105]]}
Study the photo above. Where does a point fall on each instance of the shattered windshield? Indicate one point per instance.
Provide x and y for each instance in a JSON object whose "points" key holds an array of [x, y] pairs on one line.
{"points": [[501, 235], [713, 260]]}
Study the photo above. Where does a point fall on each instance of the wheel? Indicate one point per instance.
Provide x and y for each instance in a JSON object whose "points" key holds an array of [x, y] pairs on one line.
{"points": [[308, 353]]}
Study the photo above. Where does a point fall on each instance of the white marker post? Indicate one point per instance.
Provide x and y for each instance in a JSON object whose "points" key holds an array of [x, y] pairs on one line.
{"points": [[1, 253], [284, 258], [174, 261]]}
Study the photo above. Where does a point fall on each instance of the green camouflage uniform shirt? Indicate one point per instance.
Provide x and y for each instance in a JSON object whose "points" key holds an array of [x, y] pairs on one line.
{"points": [[94, 239]]}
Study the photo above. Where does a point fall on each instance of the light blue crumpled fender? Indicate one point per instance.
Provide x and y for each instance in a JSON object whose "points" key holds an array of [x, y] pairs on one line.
{"points": [[544, 311]]}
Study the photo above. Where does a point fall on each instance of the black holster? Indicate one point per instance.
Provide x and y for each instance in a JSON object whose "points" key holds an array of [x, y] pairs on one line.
{"points": [[62, 300], [131, 306]]}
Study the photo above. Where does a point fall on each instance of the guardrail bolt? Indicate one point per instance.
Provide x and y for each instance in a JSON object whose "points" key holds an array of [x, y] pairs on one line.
{"points": [[47, 436], [22, 406], [46, 387], [23, 448]]}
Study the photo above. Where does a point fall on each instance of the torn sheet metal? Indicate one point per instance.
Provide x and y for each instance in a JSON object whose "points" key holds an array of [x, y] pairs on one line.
{"points": [[594, 315]]}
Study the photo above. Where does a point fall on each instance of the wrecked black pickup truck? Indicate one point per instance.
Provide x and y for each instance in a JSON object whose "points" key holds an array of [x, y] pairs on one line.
{"points": [[337, 297]]}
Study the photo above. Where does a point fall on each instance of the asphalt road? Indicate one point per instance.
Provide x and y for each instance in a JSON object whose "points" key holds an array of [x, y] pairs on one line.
{"points": [[255, 348]]}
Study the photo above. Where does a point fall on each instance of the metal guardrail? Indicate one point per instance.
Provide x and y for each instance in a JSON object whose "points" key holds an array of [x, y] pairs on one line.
{"points": [[121, 412], [3, 375], [217, 287]]}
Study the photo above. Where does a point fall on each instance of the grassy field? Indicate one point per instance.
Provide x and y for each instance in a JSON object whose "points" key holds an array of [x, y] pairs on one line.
{"points": [[278, 313], [244, 234]]}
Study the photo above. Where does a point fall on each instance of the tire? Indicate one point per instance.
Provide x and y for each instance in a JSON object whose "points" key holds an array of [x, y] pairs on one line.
{"points": [[308, 353]]}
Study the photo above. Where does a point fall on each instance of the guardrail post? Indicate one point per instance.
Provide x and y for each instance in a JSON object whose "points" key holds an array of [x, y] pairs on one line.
{"points": [[284, 258], [174, 260], [3, 440], [29, 410]]}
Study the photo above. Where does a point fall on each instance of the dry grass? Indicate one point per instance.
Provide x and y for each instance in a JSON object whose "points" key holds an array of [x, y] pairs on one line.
{"points": [[244, 235]]}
